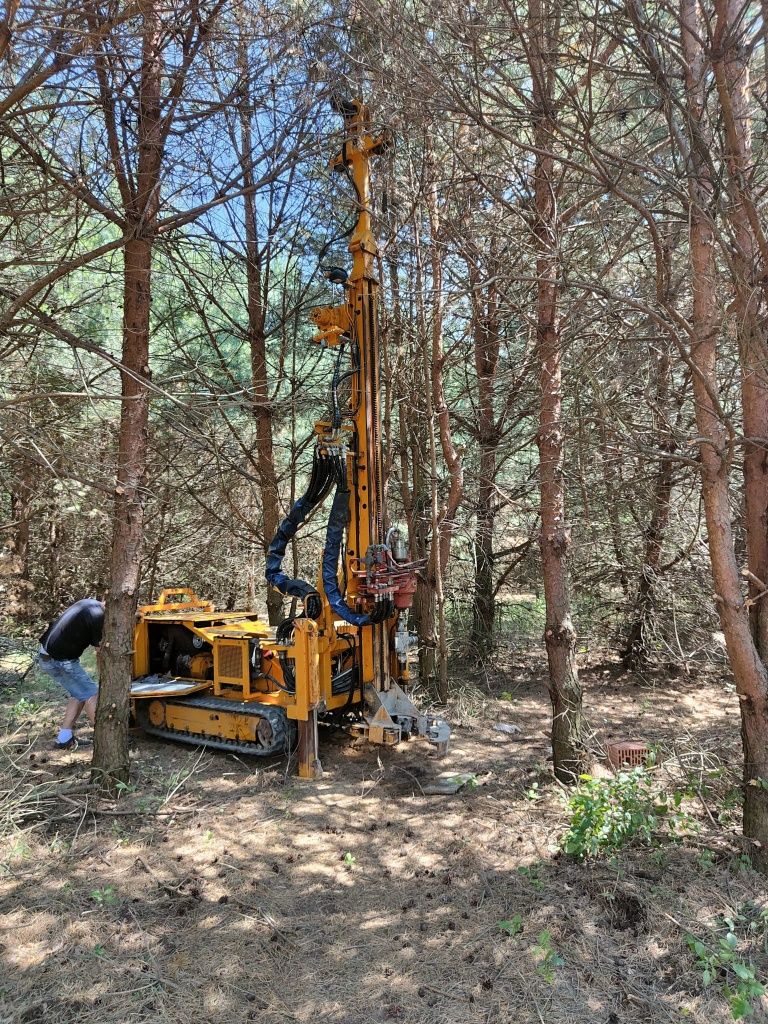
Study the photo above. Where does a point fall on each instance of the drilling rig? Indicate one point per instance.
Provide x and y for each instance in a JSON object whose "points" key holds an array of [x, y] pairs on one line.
{"points": [[227, 680]]}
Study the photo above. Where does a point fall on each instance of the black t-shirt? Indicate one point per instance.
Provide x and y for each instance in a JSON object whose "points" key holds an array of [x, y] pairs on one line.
{"points": [[75, 629]]}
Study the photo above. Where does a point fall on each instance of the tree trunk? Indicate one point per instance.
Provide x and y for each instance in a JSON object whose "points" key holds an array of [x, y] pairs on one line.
{"points": [[424, 527], [748, 669], [733, 85], [265, 457], [635, 652], [110, 754], [486, 349], [559, 635], [443, 513], [612, 482], [483, 612]]}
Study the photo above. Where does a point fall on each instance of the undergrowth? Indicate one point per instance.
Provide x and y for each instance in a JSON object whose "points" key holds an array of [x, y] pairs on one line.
{"points": [[723, 963], [607, 814]]}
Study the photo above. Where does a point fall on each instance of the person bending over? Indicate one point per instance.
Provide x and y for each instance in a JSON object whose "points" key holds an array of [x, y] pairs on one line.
{"points": [[61, 647]]}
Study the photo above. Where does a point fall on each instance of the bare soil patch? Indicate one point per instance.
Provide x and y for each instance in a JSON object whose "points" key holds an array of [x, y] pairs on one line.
{"points": [[224, 889]]}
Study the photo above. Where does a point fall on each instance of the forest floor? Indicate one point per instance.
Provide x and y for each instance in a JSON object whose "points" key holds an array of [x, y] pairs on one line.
{"points": [[224, 889]]}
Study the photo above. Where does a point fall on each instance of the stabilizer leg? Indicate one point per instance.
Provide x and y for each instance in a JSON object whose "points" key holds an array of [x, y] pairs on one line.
{"points": [[309, 760]]}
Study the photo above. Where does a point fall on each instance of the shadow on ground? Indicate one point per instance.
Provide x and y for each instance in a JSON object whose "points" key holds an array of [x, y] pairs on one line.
{"points": [[226, 890]]}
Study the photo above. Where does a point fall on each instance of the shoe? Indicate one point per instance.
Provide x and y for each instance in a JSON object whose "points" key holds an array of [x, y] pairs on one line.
{"points": [[70, 744]]}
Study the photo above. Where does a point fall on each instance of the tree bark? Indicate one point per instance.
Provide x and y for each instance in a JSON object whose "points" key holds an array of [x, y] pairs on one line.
{"points": [[486, 353], [559, 636], [424, 487], [110, 755], [635, 652], [734, 91], [256, 286], [748, 669], [443, 512]]}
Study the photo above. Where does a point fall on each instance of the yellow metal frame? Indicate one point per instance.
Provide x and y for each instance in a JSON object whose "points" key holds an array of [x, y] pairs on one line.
{"points": [[311, 654]]}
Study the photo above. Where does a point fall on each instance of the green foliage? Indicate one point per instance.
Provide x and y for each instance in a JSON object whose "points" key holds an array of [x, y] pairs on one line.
{"points": [[532, 875], [721, 964], [349, 860], [104, 897], [706, 860], [524, 619], [606, 814], [59, 845], [23, 708], [532, 794], [18, 849], [513, 926], [547, 957]]}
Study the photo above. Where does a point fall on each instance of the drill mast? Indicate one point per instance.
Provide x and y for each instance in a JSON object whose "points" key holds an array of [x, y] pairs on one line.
{"points": [[369, 609]]}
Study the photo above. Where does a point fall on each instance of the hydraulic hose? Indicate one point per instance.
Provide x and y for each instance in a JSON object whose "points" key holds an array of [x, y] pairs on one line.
{"points": [[334, 534], [337, 521], [325, 472]]}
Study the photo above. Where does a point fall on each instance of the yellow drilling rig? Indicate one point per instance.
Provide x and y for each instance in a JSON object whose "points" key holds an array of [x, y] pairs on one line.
{"points": [[228, 680]]}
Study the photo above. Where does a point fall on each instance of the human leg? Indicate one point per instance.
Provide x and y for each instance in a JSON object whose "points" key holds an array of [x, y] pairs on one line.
{"points": [[82, 690], [90, 709], [72, 712]]}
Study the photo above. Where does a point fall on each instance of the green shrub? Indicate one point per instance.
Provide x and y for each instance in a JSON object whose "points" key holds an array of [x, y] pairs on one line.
{"points": [[722, 965], [606, 814]]}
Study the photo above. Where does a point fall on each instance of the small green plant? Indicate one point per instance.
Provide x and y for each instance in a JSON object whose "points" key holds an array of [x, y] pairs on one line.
{"points": [[729, 810], [741, 863], [23, 708], [349, 860], [547, 956], [513, 926], [606, 814], [19, 849], [506, 695], [208, 835], [532, 875], [722, 965], [104, 897], [99, 950], [468, 782], [532, 794], [658, 858], [706, 860]]}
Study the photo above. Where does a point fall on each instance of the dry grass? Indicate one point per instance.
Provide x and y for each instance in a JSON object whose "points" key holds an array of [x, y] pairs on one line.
{"points": [[227, 891]]}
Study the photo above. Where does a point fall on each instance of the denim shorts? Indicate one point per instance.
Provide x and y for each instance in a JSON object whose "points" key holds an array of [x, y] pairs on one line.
{"points": [[70, 675]]}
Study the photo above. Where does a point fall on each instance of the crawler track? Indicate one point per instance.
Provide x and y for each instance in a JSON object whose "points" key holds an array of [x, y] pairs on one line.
{"points": [[275, 739]]}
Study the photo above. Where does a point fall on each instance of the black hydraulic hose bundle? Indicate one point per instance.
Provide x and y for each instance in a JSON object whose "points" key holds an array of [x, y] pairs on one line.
{"points": [[339, 378], [326, 470], [334, 535]]}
